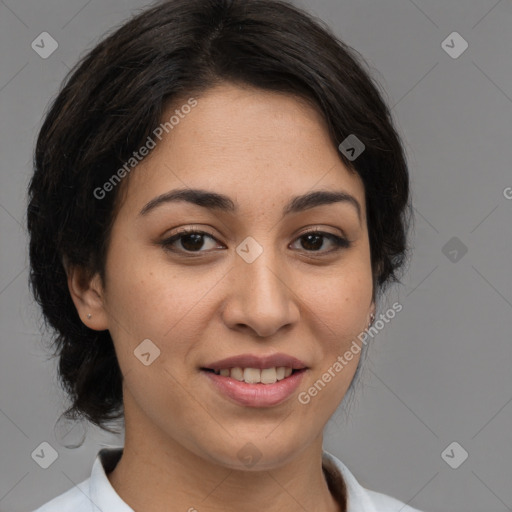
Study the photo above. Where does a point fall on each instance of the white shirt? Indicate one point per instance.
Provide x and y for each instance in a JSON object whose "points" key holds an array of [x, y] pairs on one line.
{"points": [[96, 494]]}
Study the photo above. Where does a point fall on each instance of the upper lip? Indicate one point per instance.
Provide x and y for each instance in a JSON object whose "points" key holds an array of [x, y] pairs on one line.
{"points": [[254, 361]]}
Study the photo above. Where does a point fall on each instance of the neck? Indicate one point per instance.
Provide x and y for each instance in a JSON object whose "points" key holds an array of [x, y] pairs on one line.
{"points": [[157, 474]]}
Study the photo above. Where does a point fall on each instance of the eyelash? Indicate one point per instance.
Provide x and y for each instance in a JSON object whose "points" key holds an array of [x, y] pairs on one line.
{"points": [[339, 242]]}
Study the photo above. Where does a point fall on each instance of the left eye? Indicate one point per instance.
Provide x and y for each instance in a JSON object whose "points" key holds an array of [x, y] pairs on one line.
{"points": [[312, 237], [192, 241]]}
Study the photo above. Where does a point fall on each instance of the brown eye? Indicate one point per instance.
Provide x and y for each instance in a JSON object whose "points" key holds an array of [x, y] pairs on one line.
{"points": [[192, 240], [313, 241]]}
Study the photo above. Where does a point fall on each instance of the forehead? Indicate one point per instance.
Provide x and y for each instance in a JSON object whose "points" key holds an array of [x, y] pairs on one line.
{"points": [[243, 142]]}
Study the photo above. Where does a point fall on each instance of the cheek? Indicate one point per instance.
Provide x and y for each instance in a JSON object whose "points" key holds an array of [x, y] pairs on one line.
{"points": [[142, 290], [341, 310], [341, 303], [151, 298]]}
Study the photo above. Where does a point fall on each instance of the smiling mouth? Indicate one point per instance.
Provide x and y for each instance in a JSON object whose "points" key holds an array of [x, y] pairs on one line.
{"points": [[256, 375]]}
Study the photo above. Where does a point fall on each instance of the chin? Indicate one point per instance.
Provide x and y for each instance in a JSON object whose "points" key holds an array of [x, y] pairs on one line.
{"points": [[254, 453]]}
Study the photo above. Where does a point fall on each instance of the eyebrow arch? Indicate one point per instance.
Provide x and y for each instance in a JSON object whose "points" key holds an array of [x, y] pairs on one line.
{"points": [[221, 202]]}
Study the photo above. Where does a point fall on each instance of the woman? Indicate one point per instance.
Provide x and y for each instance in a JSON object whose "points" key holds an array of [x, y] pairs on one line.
{"points": [[219, 200]]}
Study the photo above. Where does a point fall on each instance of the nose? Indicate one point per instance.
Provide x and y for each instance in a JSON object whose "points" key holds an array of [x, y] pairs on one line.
{"points": [[262, 299]]}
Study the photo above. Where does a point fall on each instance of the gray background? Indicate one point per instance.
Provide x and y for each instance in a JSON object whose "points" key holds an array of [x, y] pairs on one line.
{"points": [[440, 370]]}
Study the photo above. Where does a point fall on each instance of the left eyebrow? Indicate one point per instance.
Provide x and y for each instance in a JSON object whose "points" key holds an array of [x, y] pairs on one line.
{"points": [[221, 202]]}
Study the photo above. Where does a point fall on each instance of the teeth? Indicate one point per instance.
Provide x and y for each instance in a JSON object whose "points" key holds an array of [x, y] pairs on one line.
{"points": [[252, 375], [255, 375], [268, 376], [236, 373]]}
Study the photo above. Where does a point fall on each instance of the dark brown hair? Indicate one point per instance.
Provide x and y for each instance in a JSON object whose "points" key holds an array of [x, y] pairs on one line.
{"points": [[114, 98]]}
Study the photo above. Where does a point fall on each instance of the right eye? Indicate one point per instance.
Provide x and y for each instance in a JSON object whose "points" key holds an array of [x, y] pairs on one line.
{"points": [[192, 240]]}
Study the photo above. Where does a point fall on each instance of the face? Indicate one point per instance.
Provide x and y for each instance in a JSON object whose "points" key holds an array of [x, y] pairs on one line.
{"points": [[251, 282]]}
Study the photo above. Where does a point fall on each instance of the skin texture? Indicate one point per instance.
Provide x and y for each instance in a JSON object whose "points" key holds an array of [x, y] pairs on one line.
{"points": [[310, 301]]}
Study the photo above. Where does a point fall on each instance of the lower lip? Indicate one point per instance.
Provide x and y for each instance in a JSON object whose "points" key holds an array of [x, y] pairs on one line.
{"points": [[256, 395]]}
